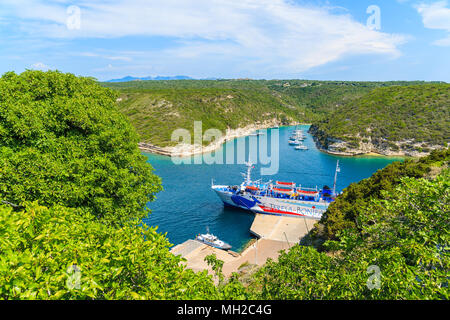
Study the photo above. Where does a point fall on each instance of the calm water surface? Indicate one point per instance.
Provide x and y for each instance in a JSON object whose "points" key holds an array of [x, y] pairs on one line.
{"points": [[187, 206]]}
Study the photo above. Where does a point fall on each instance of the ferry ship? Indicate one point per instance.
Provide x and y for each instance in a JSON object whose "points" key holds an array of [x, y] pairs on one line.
{"points": [[277, 198]]}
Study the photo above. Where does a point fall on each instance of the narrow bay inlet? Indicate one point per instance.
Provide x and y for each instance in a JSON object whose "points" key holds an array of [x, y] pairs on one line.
{"points": [[178, 206]]}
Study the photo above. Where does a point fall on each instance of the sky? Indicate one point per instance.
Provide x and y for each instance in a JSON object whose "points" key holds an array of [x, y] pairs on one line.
{"points": [[259, 39]]}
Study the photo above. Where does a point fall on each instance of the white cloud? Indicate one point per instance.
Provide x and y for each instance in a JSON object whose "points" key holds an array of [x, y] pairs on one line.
{"points": [[445, 42], [274, 34], [104, 56], [40, 66], [436, 16]]}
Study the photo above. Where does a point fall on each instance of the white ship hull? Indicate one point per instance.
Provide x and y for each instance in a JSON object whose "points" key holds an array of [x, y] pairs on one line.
{"points": [[270, 205]]}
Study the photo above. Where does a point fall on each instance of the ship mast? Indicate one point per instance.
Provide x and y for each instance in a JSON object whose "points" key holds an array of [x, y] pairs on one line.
{"points": [[335, 177]]}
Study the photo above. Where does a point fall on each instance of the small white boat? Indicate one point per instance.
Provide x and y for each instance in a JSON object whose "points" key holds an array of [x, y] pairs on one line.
{"points": [[301, 147], [213, 241], [297, 136], [294, 142]]}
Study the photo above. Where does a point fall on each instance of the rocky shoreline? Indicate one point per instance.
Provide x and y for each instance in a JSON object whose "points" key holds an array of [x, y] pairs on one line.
{"points": [[342, 148], [186, 150], [334, 147], [371, 151]]}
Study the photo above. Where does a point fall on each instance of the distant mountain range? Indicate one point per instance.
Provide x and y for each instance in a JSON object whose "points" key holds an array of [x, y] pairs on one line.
{"points": [[130, 78]]}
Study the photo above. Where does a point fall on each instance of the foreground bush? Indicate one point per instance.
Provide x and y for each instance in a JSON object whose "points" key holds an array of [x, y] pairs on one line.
{"points": [[63, 141], [57, 253]]}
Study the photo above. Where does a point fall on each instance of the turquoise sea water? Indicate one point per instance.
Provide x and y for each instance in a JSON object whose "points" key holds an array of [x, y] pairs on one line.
{"points": [[187, 206]]}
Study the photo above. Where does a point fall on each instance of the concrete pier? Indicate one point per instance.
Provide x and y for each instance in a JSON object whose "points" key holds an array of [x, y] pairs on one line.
{"points": [[274, 233], [281, 228]]}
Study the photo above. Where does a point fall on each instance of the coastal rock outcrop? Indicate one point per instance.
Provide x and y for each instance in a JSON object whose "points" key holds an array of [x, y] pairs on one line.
{"points": [[352, 145]]}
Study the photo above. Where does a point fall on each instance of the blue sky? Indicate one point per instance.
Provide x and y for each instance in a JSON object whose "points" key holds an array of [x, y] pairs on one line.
{"points": [[260, 39]]}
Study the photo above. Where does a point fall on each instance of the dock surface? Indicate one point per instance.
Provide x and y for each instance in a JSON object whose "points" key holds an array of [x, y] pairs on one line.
{"points": [[274, 233], [281, 228], [186, 247]]}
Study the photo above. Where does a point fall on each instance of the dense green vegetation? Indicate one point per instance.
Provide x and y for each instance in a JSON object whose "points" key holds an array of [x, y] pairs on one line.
{"points": [[323, 97], [63, 141], [384, 116], [222, 104], [61, 253]]}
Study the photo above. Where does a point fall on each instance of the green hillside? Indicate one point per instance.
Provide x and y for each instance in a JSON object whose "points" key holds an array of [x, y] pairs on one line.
{"points": [[156, 114], [323, 97], [156, 108], [397, 118]]}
